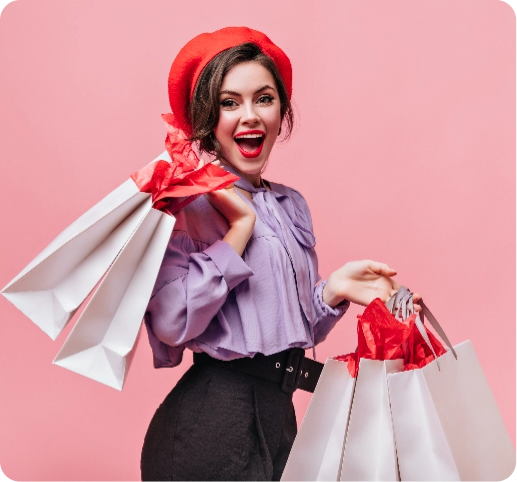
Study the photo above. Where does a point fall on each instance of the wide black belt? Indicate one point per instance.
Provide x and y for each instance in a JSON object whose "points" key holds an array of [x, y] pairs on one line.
{"points": [[288, 368]]}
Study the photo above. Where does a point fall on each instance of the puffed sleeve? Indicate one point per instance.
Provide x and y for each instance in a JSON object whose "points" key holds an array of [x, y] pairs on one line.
{"points": [[326, 316], [190, 289]]}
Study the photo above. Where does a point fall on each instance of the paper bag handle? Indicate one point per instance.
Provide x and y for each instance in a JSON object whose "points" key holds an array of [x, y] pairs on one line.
{"points": [[402, 301]]}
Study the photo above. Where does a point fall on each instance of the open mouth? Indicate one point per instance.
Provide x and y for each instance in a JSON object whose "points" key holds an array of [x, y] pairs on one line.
{"points": [[250, 142]]}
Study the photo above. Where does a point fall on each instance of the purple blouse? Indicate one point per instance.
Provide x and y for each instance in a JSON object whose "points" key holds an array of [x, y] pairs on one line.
{"points": [[209, 299]]}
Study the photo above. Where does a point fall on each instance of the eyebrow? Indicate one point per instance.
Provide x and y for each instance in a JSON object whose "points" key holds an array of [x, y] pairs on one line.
{"points": [[231, 92]]}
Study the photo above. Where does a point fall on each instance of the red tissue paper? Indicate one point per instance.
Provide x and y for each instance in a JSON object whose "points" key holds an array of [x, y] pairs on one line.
{"points": [[170, 181], [381, 336]]}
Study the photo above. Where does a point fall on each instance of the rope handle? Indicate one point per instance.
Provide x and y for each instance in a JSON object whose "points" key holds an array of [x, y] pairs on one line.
{"points": [[402, 302]]}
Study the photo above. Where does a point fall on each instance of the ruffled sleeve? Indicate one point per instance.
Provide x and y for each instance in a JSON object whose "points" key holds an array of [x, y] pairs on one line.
{"points": [[191, 287], [326, 315]]}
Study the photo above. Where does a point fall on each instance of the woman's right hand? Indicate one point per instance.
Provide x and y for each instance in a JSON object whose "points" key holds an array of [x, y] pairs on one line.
{"points": [[240, 216], [231, 205]]}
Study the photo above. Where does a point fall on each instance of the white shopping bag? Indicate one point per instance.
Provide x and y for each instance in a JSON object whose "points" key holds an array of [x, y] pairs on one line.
{"points": [[125, 236], [318, 447], [122, 235], [369, 451], [101, 343], [347, 433], [54, 284], [439, 422], [446, 422]]}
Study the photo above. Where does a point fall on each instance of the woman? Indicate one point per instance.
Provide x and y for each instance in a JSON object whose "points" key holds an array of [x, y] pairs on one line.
{"points": [[238, 281]]}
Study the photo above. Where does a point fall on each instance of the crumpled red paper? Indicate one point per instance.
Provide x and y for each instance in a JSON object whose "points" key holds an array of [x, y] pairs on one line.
{"points": [[167, 182], [380, 336], [419, 352]]}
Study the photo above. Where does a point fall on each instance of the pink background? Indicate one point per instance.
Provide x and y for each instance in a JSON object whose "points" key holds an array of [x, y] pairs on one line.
{"points": [[404, 148]]}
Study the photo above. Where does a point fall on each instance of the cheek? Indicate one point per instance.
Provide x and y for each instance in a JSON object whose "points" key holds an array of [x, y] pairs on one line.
{"points": [[272, 120], [225, 127]]}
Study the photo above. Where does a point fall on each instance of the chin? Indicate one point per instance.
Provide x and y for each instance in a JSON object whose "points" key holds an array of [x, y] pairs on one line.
{"points": [[247, 166]]}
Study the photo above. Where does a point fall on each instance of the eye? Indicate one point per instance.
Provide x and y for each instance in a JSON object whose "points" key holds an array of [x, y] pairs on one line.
{"points": [[228, 103], [266, 99]]}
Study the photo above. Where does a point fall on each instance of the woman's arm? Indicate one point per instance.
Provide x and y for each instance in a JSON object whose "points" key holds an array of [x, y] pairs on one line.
{"points": [[241, 218], [357, 281], [192, 287]]}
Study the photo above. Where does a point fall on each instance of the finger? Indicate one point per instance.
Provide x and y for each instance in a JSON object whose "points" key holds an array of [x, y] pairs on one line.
{"points": [[382, 268], [217, 163], [416, 304]]}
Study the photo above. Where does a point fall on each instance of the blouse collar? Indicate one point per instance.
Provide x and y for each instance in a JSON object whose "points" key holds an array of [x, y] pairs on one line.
{"points": [[262, 197]]}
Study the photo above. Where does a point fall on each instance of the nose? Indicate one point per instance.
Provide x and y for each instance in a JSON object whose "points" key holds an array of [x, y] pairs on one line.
{"points": [[249, 115]]}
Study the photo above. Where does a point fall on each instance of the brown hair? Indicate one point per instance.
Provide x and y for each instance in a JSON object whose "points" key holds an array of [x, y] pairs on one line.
{"points": [[205, 105]]}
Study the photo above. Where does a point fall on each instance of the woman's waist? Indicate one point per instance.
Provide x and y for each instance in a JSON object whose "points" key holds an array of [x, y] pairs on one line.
{"points": [[288, 368]]}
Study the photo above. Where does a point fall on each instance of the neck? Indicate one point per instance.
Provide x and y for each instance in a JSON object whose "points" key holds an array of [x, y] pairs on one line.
{"points": [[254, 179]]}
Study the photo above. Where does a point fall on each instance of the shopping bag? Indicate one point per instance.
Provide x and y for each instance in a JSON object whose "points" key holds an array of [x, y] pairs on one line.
{"points": [[435, 403], [124, 235], [346, 433], [446, 422], [55, 283], [317, 450], [369, 451], [100, 344]]}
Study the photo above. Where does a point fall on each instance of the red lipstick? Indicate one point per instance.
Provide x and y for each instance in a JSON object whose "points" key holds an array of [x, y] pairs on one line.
{"points": [[256, 152]]}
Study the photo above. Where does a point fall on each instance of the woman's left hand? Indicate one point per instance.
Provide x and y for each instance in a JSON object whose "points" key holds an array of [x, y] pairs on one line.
{"points": [[361, 282]]}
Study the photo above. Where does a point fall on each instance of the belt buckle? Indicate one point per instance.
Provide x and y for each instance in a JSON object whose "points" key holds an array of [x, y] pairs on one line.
{"points": [[292, 370]]}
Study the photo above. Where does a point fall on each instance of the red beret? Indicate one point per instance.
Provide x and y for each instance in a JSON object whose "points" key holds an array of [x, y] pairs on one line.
{"points": [[193, 57]]}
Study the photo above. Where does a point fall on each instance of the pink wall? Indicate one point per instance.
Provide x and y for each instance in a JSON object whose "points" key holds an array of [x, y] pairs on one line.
{"points": [[404, 149]]}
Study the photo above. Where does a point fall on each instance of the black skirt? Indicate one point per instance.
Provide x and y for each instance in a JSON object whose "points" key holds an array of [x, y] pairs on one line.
{"points": [[220, 424]]}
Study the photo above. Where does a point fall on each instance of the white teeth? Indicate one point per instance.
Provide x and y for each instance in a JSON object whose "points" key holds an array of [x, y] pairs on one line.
{"points": [[248, 136]]}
